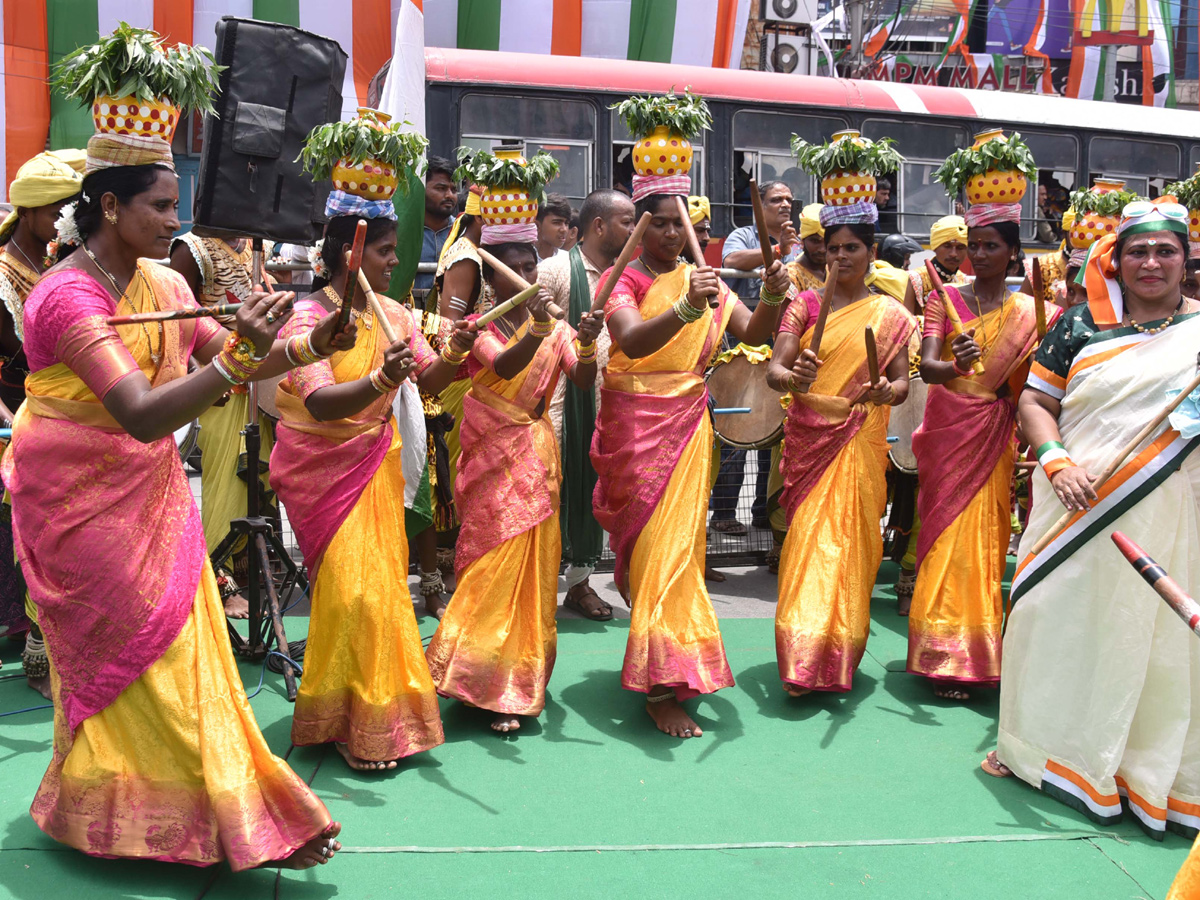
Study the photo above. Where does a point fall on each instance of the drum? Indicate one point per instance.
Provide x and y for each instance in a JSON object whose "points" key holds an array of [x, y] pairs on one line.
{"points": [[904, 420], [265, 391], [739, 382], [186, 438]]}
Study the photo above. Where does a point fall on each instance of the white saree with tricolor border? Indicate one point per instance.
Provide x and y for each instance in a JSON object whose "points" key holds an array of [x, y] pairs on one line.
{"points": [[1100, 696]]}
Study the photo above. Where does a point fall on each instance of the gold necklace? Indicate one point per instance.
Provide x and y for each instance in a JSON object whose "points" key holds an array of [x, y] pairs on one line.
{"points": [[1142, 329], [367, 316], [155, 358], [984, 340]]}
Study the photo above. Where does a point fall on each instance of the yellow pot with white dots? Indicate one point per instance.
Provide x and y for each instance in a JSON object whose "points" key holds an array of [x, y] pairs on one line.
{"points": [[662, 153]]}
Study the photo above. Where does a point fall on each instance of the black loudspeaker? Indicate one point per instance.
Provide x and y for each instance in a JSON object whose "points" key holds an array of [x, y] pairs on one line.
{"points": [[280, 83]]}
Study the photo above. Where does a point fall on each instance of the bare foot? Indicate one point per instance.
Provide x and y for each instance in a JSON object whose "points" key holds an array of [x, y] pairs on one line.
{"points": [[711, 574], [504, 723], [41, 685], [315, 852], [237, 607], [363, 765], [994, 767], [794, 690], [951, 693], [672, 719], [435, 605]]}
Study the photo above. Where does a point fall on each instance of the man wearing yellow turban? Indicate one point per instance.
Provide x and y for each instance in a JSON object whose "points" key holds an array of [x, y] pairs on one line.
{"points": [[808, 271], [948, 241], [700, 212], [40, 189]]}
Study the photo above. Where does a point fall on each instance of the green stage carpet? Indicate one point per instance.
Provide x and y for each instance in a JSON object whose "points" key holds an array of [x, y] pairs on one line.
{"points": [[876, 793]]}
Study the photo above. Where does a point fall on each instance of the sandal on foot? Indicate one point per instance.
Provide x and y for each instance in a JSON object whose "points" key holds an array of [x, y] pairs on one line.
{"points": [[994, 767], [585, 601]]}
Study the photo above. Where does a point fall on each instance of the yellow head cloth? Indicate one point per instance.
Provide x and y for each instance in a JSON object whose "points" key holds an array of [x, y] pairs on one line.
{"points": [[946, 229], [76, 159], [699, 209], [41, 181], [1068, 218], [887, 278], [810, 221]]}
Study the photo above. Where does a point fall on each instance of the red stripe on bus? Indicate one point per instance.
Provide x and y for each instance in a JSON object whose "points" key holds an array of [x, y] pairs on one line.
{"points": [[942, 101]]}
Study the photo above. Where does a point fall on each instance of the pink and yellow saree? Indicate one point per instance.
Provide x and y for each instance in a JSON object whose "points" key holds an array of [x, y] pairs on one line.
{"points": [[365, 680], [156, 752], [652, 451], [965, 455], [835, 492], [496, 645]]}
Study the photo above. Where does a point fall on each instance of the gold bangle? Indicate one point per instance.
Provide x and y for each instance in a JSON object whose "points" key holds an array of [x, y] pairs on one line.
{"points": [[453, 357], [542, 329]]}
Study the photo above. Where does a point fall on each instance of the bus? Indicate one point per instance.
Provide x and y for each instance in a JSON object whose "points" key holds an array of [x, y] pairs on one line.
{"points": [[561, 104]]}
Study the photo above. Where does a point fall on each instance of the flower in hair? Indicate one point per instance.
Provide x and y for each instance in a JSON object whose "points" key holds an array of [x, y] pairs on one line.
{"points": [[320, 269]]}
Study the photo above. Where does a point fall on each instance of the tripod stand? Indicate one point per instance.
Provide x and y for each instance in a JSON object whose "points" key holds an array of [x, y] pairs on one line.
{"points": [[262, 546]]}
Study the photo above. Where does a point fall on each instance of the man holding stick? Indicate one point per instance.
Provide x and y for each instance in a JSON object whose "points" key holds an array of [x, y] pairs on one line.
{"points": [[605, 220]]}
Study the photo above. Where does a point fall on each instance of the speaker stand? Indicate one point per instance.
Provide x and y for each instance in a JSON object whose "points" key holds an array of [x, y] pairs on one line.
{"points": [[263, 548]]}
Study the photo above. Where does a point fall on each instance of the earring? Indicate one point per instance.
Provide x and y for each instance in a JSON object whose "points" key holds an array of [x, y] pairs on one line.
{"points": [[112, 218]]}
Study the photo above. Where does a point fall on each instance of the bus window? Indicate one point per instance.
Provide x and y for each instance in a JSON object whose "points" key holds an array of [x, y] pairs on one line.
{"points": [[920, 200], [1194, 158], [1042, 209], [495, 115], [763, 142], [1146, 166]]}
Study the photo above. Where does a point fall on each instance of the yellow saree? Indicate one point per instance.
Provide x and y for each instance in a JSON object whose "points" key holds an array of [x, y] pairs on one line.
{"points": [[496, 645], [365, 680], [652, 452], [834, 460], [156, 751]]}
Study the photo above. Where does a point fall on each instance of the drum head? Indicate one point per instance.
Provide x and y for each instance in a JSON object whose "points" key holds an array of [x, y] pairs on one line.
{"points": [[740, 383], [266, 396], [904, 420], [185, 439]]}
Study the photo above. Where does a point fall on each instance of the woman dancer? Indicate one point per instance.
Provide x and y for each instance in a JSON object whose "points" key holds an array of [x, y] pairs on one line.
{"points": [[834, 459], [495, 647], [1097, 704], [366, 687]]}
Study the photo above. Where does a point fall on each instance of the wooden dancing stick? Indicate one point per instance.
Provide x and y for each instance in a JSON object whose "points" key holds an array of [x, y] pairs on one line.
{"points": [[376, 307], [1185, 607], [170, 315], [872, 356], [553, 308], [1039, 302], [624, 259], [693, 242], [760, 222], [511, 303], [1117, 461], [355, 264], [951, 313], [819, 327]]}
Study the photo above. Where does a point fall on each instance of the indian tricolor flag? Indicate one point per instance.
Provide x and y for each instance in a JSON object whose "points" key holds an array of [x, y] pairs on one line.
{"points": [[24, 97], [403, 97], [690, 32], [362, 27]]}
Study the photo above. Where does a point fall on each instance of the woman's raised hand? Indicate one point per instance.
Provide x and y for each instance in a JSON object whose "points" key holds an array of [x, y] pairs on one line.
{"points": [[589, 327], [397, 360], [538, 305], [703, 285], [776, 279], [262, 315], [965, 350], [463, 337], [881, 393], [804, 369], [326, 338]]}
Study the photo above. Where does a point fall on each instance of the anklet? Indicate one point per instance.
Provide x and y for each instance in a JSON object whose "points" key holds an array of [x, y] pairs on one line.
{"points": [[660, 698]]}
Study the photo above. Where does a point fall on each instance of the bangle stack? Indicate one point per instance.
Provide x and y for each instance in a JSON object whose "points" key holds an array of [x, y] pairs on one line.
{"points": [[452, 357], [686, 312], [770, 299], [236, 362], [542, 329], [585, 352], [299, 350], [961, 373], [381, 382], [1053, 457]]}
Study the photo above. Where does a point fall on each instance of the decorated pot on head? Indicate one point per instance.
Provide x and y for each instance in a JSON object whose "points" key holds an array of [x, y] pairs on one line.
{"points": [[994, 174], [663, 129], [368, 159], [1187, 192], [155, 82], [1098, 211], [512, 187], [848, 166]]}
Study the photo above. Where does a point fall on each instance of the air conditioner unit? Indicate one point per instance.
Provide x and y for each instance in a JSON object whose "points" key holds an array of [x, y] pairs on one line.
{"points": [[791, 54], [791, 12]]}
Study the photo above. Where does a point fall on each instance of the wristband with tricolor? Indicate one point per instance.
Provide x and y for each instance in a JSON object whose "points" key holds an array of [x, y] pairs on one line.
{"points": [[1053, 457]]}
